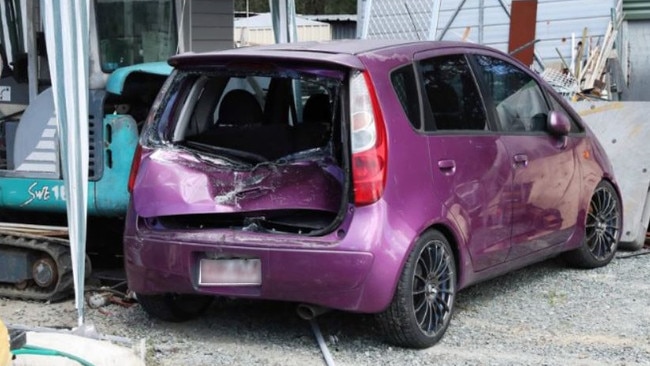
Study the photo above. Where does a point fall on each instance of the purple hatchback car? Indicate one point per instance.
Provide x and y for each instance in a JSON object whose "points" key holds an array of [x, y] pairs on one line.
{"points": [[367, 176]]}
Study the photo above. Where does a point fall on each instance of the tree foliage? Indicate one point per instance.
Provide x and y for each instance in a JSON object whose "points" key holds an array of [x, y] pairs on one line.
{"points": [[254, 6], [310, 7]]}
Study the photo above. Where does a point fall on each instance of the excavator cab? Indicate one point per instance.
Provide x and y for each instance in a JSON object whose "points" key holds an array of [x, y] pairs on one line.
{"points": [[129, 43]]}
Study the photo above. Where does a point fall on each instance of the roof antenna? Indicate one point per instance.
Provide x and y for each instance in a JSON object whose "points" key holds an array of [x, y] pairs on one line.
{"points": [[415, 28]]}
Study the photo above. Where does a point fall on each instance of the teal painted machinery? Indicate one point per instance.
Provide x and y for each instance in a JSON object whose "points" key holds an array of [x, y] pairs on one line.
{"points": [[128, 41], [30, 164]]}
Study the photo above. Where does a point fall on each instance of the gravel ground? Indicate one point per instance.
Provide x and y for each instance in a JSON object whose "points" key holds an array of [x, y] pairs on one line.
{"points": [[546, 314]]}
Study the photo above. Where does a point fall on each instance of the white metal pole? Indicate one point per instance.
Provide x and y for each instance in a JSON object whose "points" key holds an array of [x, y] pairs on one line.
{"points": [[67, 40]]}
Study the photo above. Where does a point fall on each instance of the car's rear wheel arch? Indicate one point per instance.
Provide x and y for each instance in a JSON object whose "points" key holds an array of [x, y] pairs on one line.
{"points": [[404, 321], [608, 179], [447, 232], [453, 243]]}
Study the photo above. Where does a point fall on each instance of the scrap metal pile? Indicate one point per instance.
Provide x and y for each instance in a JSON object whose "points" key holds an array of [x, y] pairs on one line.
{"points": [[586, 75]]}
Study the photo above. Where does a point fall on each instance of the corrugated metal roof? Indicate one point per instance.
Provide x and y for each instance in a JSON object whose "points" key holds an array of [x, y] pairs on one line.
{"points": [[264, 21], [332, 17], [636, 9]]}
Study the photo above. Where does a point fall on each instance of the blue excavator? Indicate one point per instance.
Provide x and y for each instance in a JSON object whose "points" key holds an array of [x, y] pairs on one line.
{"points": [[129, 43]]}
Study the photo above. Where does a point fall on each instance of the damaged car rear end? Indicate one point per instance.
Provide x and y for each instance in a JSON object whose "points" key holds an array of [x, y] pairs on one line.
{"points": [[249, 177]]}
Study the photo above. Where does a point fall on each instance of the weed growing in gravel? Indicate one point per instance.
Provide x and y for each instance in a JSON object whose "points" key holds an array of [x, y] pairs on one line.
{"points": [[556, 298]]}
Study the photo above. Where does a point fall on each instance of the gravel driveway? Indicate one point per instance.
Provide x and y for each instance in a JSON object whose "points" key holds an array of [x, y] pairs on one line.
{"points": [[544, 314]]}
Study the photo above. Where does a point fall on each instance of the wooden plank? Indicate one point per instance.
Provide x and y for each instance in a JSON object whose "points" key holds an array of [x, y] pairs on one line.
{"points": [[581, 50]]}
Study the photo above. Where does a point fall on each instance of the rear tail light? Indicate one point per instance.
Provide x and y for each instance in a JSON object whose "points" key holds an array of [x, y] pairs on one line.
{"points": [[135, 165], [368, 139]]}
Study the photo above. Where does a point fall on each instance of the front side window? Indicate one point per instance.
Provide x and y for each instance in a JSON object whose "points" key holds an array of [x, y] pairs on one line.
{"points": [[557, 106], [133, 32], [518, 99], [452, 94]]}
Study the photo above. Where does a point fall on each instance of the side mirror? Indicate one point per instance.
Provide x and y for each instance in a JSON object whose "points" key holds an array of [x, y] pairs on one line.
{"points": [[558, 123]]}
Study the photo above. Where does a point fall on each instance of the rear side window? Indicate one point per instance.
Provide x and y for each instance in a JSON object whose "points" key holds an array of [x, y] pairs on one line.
{"points": [[452, 94], [518, 99], [403, 80]]}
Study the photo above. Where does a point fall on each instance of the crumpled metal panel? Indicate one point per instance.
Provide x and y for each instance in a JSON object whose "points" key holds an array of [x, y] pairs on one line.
{"points": [[174, 182]]}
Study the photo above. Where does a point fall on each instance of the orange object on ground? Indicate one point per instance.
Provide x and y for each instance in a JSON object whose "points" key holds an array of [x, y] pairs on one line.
{"points": [[5, 353]]}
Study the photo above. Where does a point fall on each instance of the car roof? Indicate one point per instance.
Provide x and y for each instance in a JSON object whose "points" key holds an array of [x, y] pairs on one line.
{"points": [[347, 46], [341, 52]]}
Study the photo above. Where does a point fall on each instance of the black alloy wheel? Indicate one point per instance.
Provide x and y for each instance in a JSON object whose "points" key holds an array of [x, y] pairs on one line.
{"points": [[424, 300], [602, 229]]}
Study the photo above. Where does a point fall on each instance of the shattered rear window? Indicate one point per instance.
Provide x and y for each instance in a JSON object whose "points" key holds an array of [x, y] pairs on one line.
{"points": [[246, 147], [250, 113]]}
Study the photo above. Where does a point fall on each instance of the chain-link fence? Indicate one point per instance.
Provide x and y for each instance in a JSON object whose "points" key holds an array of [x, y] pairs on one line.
{"points": [[412, 19], [563, 82]]}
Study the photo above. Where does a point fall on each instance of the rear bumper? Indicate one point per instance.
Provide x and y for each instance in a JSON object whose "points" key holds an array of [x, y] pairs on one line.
{"points": [[327, 278], [357, 272]]}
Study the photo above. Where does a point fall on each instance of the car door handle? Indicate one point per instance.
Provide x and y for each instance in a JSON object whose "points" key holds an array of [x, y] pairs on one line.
{"points": [[448, 167], [521, 160]]}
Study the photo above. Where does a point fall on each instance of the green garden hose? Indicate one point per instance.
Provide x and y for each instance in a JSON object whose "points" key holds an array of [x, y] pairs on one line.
{"points": [[40, 351]]}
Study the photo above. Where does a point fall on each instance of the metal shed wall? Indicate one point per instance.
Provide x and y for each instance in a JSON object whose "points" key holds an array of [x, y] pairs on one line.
{"points": [[342, 26], [637, 65], [343, 29], [258, 30], [636, 9], [557, 21], [211, 24]]}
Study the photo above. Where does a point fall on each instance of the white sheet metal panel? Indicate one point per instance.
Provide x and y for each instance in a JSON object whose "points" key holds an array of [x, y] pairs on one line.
{"points": [[624, 131], [67, 41]]}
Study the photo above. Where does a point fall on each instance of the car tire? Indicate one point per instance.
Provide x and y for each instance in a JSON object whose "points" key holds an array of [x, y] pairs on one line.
{"points": [[174, 307], [602, 229], [421, 309]]}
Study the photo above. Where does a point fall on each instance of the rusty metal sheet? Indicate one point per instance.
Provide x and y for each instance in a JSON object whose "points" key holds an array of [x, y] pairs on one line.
{"points": [[523, 21]]}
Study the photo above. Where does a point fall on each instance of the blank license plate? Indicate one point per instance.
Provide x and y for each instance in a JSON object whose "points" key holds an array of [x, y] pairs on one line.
{"points": [[230, 272]]}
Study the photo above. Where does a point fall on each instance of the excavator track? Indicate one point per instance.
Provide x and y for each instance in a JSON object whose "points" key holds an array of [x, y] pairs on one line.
{"points": [[47, 257]]}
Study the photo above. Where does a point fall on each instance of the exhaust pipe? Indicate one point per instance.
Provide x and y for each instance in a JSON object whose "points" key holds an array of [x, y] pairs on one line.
{"points": [[309, 312]]}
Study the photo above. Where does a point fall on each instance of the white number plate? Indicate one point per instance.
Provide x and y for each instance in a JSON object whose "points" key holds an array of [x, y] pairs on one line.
{"points": [[230, 272]]}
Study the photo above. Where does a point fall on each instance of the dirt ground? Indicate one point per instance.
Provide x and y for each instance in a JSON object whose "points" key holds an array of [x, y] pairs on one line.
{"points": [[545, 314]]}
